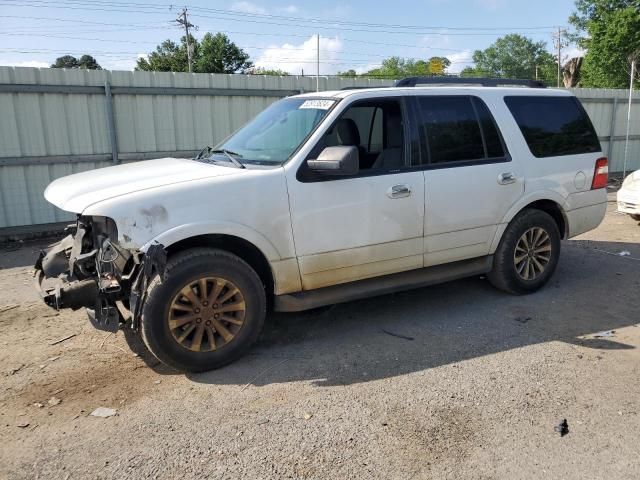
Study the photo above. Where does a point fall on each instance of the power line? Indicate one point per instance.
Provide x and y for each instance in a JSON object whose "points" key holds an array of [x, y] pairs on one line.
{"points": [[155, 6], [278, 60], [242, 18], [130, 42]]}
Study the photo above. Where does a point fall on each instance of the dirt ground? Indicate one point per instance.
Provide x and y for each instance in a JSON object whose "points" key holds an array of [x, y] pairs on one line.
{"points": [[471, 387]]}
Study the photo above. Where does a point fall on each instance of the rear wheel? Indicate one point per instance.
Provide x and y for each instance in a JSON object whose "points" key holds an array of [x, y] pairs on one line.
{"points": [[206, 311], [527, 254]]}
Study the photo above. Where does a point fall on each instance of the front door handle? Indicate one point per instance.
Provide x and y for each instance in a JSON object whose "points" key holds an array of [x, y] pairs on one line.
{"points": [[399, 191], [506, 178]]}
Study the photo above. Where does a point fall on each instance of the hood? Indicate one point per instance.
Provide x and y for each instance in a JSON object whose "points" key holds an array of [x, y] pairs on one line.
{"points": [[632, 182], [77, 192]]}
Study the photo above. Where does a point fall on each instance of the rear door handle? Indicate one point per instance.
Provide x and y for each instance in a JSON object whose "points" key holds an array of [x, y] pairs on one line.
{"points": [[506, 178], [399, 191]]}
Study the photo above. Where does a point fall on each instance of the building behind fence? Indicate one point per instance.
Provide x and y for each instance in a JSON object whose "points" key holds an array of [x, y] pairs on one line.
{"points": [[55, 122]]}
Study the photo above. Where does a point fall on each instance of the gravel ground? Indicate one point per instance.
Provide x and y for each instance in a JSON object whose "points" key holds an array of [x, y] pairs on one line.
{"points": [[471, 387]]}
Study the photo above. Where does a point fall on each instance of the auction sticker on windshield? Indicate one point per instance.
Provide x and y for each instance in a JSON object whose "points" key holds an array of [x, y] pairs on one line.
{"points": [[317, 104]]}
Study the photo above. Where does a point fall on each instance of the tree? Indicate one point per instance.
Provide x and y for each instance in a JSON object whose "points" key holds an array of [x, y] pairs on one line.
{"points": [[267, 71], [571, 72], [613, 34], [438, 65], [397, 67], [588, 11], [214, 54], [514, 56], [218, 54], [168, 57], [349, 73], [86, 62]]}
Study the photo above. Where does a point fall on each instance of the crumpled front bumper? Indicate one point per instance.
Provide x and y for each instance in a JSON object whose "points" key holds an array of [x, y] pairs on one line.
{"points": [[54, 268], [73, 295], [109, 281]]}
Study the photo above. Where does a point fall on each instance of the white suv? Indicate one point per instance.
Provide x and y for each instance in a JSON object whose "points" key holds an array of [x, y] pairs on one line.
{"points": [[325, 198]]}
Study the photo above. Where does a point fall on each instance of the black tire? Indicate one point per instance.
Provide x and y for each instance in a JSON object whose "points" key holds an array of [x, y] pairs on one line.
{"points": [[636, 217], [182, 269], [504, 274]]}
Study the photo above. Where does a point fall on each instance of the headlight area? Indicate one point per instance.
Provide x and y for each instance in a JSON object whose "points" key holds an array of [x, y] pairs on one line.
{"points": [[89, 269]]}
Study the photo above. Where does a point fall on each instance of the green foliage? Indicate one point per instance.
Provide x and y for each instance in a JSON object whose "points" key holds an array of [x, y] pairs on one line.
{"points": [[267, 71], [86, 62], [513, 56], [214, 54], [612, 35], [588, 11], [168, 57], [397, 67], [89, 63], [218, 54], [349, 73]]}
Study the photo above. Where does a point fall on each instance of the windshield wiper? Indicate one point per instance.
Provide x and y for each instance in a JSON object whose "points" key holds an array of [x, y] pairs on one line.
{"points": [[203, 153], [231, 156]]}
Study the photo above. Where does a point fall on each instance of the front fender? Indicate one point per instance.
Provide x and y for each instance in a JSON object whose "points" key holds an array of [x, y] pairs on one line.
{"points": [[182, 232]]}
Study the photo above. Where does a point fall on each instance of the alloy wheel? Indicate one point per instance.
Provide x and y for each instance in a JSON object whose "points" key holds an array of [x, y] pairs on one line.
{"points": [[206, 314], [532, 253]]}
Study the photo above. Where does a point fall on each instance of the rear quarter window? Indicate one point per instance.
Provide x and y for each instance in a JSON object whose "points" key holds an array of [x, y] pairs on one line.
{"points": [[553, 126]]}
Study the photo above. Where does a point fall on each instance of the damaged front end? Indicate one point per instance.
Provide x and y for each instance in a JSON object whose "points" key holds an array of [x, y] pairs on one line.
{"points": [[88, 268]]}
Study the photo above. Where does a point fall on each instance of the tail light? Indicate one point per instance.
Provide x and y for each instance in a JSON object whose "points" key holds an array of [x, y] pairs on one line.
{"points": [[600, 174]]}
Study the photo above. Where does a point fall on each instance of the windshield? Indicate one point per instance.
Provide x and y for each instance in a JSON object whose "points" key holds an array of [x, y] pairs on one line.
{"points": [[272, 136]]}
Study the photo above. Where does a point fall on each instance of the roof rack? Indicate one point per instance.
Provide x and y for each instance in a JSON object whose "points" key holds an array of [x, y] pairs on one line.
{"points": [[485, 82], [365, 87]]}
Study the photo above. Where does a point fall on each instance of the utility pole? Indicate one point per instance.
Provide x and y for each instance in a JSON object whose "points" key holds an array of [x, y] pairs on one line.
{"points": [[558, 41], [634, 59], [318, 64], [184, 21]]}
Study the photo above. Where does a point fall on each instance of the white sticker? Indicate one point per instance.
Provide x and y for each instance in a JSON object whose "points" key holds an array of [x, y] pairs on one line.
{"points": [[318, 104]]}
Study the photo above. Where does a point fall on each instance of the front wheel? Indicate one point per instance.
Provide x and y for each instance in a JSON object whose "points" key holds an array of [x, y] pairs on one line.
{"points": [[527, 254], [205, 312]]}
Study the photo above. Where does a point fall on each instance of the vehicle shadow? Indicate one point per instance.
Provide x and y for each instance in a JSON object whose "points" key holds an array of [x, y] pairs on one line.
{"points": [[412, 331]]}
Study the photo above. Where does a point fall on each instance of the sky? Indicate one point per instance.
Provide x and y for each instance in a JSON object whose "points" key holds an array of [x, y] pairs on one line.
{"points": [[278, 34]]}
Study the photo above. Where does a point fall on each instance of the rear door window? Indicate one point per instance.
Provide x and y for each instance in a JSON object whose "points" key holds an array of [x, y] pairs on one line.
{"points": [[553, 126], [458, 129]]}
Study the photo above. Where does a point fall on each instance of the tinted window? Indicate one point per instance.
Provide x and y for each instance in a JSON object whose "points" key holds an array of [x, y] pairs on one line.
{"points": [[451, 129], [553, 126], [492, 138]]}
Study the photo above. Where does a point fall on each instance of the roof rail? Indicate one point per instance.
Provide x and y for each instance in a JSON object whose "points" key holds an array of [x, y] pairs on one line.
{"points": [[485, 82], [363, 88]]}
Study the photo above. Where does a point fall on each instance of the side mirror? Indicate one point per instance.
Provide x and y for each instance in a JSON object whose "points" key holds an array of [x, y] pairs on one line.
{"points": [[341, 160]]}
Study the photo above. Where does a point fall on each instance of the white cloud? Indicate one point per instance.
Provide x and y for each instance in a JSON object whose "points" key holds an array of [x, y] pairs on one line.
{"points": [[364, 68], [459, 61], [290, 9], [436, 42], [248, 7], [25, 63], [123, 64], [294, 58], [572, 52]]}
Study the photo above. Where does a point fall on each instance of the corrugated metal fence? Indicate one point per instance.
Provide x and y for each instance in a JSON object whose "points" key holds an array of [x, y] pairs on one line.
{"points": [[57, 122]]}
